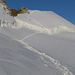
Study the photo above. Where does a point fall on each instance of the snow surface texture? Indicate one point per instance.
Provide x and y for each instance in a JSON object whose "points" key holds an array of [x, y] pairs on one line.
{"points": [[39, 43]]}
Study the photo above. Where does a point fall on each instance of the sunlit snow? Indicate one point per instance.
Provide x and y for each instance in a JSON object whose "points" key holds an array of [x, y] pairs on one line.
{"points": [[39, 43]]}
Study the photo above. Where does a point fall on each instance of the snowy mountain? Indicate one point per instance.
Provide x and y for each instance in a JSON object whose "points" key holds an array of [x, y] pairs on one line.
{"points": [[39, 43]]}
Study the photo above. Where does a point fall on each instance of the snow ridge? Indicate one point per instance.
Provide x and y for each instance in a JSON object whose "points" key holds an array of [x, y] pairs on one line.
{"points": [[18, 24], [53, 30], [64, 70]]}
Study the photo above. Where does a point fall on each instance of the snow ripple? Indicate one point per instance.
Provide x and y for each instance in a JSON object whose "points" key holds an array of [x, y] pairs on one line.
{"points": [[64, 70]]}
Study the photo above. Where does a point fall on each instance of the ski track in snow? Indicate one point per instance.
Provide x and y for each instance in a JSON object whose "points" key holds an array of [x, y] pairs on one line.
{"points": [[19, 24], [64, 70], [29, 36]]}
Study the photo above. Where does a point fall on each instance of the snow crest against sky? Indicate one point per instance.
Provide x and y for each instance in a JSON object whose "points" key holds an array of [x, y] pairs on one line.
{"points": [[64, 8]]}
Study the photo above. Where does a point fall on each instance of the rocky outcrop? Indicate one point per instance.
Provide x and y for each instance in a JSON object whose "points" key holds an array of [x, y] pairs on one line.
{"points": [[5, 5], [14, 12], [22, 10]]}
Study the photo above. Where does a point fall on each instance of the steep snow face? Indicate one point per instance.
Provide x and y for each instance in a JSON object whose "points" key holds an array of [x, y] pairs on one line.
{"points": [[44, 18], [4, 17], [39, 43], [44, 21], [18, 58]]}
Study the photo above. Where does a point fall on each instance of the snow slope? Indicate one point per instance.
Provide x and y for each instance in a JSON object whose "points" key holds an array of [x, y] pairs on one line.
{"points": [[39, 43]]}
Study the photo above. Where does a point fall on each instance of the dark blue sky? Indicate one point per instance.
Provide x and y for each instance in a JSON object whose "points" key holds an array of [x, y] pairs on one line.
{"points": [[64, 8]]}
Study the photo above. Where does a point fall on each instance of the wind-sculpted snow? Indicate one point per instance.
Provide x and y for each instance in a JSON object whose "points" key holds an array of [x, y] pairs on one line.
{"points": [[18, 24], [5, 23], [64, 70]]}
